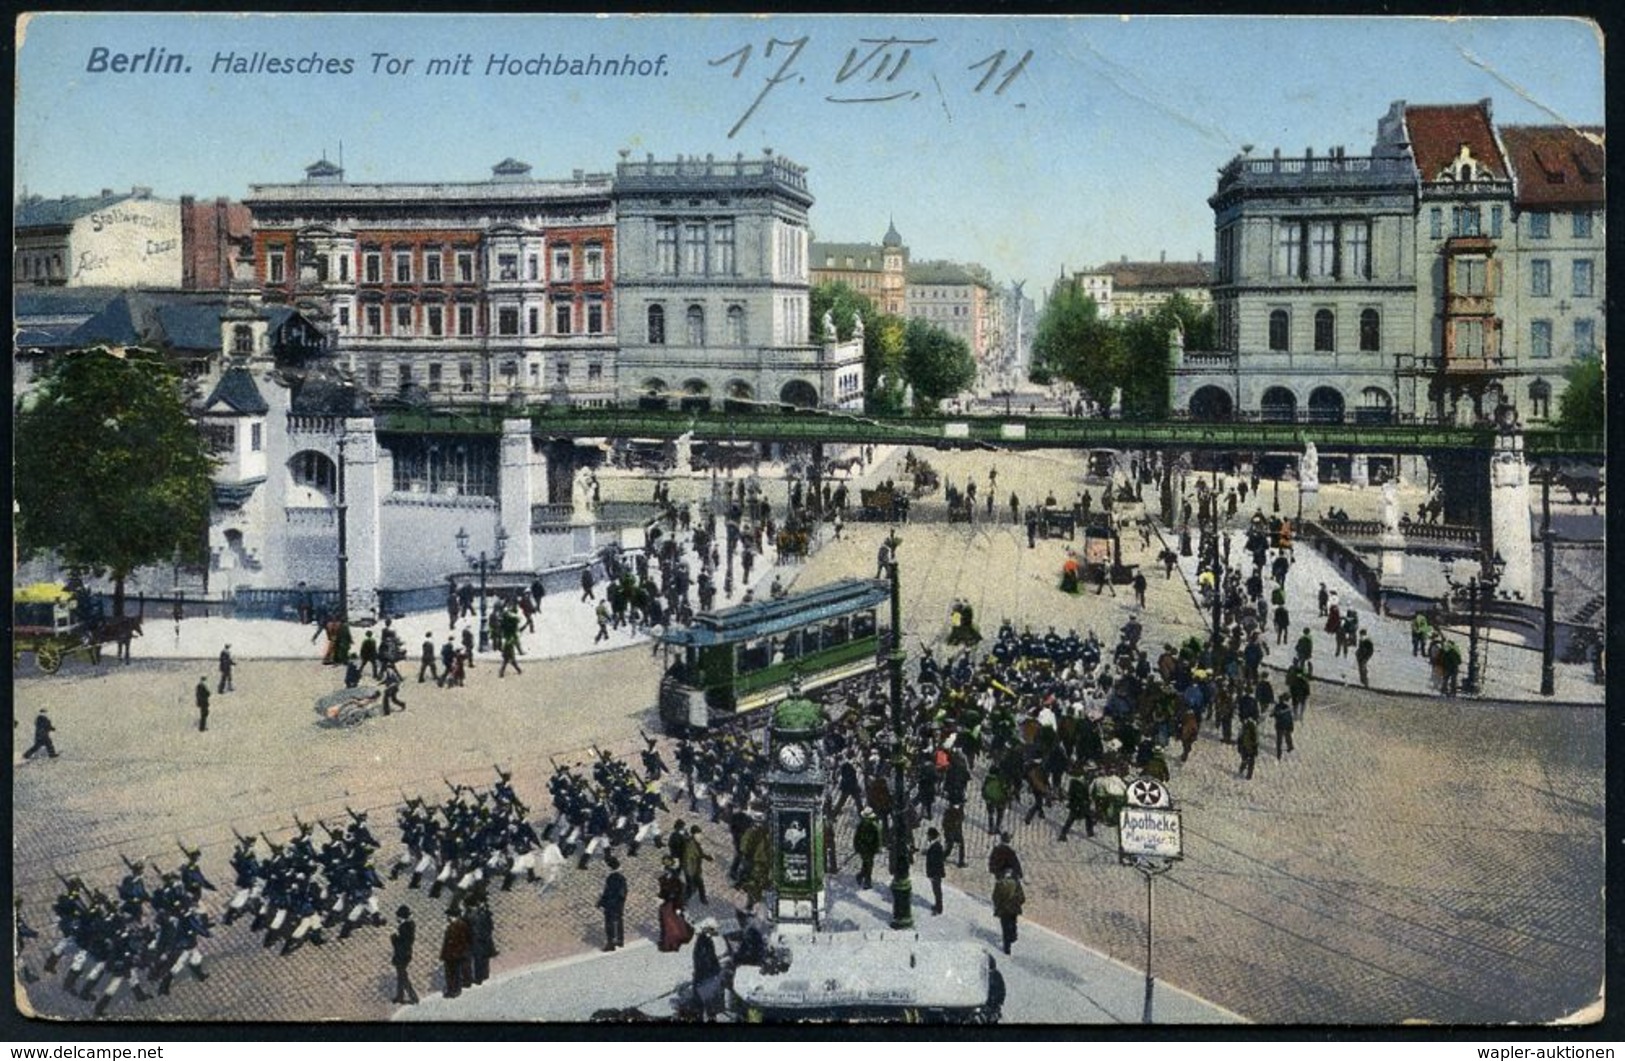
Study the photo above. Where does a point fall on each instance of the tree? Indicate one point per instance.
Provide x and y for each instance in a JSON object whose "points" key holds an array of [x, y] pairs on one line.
{"points": [[1583, 406], [936, 364], [1072, 343], [882, 340], [110, 471]]}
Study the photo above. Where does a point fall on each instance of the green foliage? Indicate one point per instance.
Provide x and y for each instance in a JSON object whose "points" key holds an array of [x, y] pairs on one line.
{"points": [[110, 471], [882, 340], [936, 364], [1068, 340], [1583, 407]]}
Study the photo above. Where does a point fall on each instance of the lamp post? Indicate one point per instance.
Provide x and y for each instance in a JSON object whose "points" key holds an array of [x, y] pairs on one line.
{"points": [[1548, 641], [902, 891], [342, 511], [1277, 504], [483, 563]]}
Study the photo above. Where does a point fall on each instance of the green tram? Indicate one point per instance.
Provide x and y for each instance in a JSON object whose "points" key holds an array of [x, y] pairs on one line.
{"points": [[733, 660]]}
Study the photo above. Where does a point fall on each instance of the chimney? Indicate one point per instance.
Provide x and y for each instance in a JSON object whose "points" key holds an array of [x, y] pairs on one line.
{"points": [[1308, 152], [141, 191], [1124, 259], [1198, 257], [107, 193]]}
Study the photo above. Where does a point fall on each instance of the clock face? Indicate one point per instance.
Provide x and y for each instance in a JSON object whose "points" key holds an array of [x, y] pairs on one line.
{"points": [[794, 757]]}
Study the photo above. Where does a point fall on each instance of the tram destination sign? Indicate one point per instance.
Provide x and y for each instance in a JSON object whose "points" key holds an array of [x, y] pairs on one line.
{"points": [[1150, 832]]}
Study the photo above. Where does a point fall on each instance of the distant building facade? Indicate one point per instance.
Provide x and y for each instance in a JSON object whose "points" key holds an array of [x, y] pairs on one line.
{"points": [[877, 271], [713, 286], [115, 239], [955, 299], [217, 245], [461, 292], [1139, 289]]}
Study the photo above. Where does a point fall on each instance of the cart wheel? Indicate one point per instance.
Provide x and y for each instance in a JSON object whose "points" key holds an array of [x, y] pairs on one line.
{"points": [[49, 658]]}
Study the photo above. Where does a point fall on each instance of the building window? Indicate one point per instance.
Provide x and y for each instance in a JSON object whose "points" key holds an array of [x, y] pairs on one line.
{"points": [[1370, 330], [1540, 400], [403, 320], [374, 320], [533, 321], [595, 372], [1582, 224], [242, 339], [1540, 226], [507, 320], [465, 267], [561, 262], [372, 268], [563, 323], [1469, 339], [1289, 249], [594, 262], [1436, 222], [344, 319], [694, 248], [431, 267], [1585, 340], [510, 374], [1582, 278], [595, 316], [1540, 339], [434, 375], [403, 268], [465, 320], [535, 374], [1356, 250], [435, 318], [1325, 330], [723, 235], [1464, 221], [1495, 222], [405, 375], [507, 267], [1470, 276], [1278, 329], [1322, 248], [375, 376], [465, 376], [256, 437], [561, 371], [1540, 277], [276, 264], [736, 325], [666, 248], [344, 268], [696, 326], [533, 267], [657, 325]]}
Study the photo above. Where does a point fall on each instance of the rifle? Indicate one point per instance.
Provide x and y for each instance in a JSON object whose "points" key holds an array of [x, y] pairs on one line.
{"points": [[66, 882], [456, 790], [331, 835], [241, 839], [127, 863], [357, 817], [304, 827]]}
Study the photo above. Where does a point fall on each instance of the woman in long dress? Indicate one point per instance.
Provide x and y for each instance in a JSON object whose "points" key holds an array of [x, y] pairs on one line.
{"points": [[674, 928], [1334, 618]]}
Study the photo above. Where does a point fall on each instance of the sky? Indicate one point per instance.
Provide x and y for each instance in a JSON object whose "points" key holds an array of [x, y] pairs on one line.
{"points": [[1104, 142]]}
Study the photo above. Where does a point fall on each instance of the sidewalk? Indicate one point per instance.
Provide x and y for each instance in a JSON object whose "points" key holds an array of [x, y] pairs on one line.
{"points": [[1511, 672], [1050, 979]]}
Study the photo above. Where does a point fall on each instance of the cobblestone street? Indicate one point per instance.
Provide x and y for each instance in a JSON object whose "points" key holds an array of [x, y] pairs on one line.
{"points": [[1414, 859]]}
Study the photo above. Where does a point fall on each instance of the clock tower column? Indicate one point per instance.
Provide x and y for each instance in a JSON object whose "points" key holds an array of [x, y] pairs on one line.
{"points": [[796, 783]]}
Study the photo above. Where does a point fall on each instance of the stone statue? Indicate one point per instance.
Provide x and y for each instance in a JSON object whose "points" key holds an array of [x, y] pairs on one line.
{"points": [[1390, 508], [829, 326], [1309, 467], [1117, 403], [581, 496], [857, 325]]}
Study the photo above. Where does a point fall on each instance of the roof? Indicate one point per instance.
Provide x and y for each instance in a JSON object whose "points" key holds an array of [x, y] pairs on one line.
{"points": [[1436, 133], [1157, 274], [1555, 165], [175, 320], [941, 273], [865, 256], [37, 212], [236, 390], [893, 238], [765, 618]]}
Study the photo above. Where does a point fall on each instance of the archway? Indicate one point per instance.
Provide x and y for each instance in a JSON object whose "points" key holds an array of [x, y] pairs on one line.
{"points": [[799, 393], [1376, 407], [1212, 404], [1278, 405], [312, 480], [1326, 405]]}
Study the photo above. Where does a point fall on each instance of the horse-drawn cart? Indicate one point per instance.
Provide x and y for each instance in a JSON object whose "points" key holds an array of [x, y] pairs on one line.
{"points": [[53, 623], [348, 707]]}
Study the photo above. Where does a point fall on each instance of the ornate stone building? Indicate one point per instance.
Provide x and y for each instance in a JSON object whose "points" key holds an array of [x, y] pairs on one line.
{"points": [[879, 271]]}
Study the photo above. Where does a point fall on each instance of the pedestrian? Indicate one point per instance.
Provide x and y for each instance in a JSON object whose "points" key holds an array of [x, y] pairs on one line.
{"points": [[694, 859], [483, 930], [1080, 802], [428, 665], [1323, 598], [1139, 588], [1032, 528], [587, 584], [1283, 624], [1362, 657], [1306, 651], [42, 736], [226, 664], [468, 644], [510, 655], [1282, 716], [392, 687], [707, 980], [953, 830], [448, 656], [674, 927], [1008, 899], [1003, 857], [936, 866], [369, 656], [1420, 634], [602, 615], [401, 942], [202, 692], [456, 951], [1247, 747], [612, 901], [866, 842]]}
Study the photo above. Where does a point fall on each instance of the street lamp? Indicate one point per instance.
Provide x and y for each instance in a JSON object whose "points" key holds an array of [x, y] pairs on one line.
{"points": [[483, 563], [1548, 644], [902, 891], [1483, 583]]}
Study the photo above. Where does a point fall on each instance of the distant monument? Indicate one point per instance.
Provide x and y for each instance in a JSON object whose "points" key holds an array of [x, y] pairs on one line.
{"points": [[1390, 508], [581, 496], [857, 325], [829, 327]]}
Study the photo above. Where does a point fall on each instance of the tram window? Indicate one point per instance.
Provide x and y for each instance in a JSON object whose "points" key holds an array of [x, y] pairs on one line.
{"points": [[835, 632], [793, 646], [754, 656], [863, 625]]}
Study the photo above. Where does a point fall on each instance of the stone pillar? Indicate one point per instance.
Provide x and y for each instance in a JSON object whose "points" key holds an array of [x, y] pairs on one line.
{"points": [[685, 454], [514, 495], [1359, 469], [1509, 517], [363, 495]]}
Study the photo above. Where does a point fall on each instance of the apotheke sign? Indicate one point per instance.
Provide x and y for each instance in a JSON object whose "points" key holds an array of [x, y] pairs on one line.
{"points": [[1150, 832]]}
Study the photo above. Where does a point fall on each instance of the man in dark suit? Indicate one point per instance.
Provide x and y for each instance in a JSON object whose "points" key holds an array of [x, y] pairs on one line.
{"points": [[457, 951], [936, 867], [613, 903], [401, 942], [203, 704]]}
